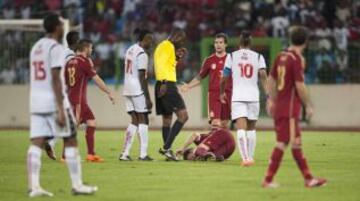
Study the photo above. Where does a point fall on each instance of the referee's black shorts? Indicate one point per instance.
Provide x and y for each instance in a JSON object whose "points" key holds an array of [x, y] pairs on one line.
{"points": [[170, 102]]}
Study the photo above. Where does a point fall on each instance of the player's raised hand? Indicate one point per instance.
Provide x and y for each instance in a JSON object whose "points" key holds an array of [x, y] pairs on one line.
{"points": [[223, 98]]}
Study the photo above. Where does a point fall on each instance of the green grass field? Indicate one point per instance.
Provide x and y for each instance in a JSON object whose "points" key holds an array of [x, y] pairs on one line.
{"points": [[335, 156]]}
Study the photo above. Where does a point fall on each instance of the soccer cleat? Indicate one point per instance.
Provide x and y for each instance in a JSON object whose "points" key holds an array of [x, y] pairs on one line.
{"points": [[315, 182], [37, 192], [146, 158], [50, 151], [169, 154], [94, 158], [270, 184], [84, 190], [247, 163], [123, 157]]}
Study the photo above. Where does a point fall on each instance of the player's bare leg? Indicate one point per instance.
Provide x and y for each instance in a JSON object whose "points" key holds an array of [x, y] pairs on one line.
{"points": [[143, 136], [73, 161], [129, 137], [274, 165], [90, 141], [251, 138], [34, 166], [301, 162], [242, 142]]}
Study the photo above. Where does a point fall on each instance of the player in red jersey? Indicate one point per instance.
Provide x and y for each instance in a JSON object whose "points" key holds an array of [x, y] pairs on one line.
{"points": [[287, 92], [218, 144], [219, 113], [78, 71]]}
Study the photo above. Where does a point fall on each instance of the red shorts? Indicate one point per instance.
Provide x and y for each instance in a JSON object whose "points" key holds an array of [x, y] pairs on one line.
{"points": [[287, 128], [218, 110], [221, 143], [85, 113]]}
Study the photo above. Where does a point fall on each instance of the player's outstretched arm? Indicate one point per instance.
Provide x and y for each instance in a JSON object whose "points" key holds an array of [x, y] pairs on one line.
{"points": [[185, 87], [304, 96], [101, 84], [187, 143], [145, 88], [57, 87], [271, 87]]}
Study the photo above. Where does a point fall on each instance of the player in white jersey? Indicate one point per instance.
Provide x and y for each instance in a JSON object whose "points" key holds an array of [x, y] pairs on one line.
{"points": [[136, 93], [246, 67], [49, 108]]}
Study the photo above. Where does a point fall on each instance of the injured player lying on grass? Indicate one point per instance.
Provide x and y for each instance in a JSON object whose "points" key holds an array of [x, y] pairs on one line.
{"points": [[218, 144]]}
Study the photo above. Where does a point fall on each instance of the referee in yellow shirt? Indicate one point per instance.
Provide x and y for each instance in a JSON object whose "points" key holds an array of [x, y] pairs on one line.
{"points": [[167, 98]]}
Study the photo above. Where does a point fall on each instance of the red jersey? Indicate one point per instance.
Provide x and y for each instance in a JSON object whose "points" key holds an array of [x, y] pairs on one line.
{"points": [[288, 68], [213, 66], [78, 71]]}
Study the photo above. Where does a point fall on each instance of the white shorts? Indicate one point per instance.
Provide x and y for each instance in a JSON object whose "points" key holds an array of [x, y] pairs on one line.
{"points": [[136, 104], [249, 110], [44, 125]]}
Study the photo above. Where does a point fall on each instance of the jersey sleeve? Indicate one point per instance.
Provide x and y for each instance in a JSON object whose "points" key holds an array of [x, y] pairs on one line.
{"points": [[204, 71], [57, 56], [298, 70], [88, 68], [143, 61], [262, 63]]}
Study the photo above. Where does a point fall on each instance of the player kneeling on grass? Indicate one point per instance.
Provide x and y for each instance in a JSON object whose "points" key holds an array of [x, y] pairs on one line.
{"points": [[218, 144], [287, 93], [78, 71], [246, 67], [50, 109], [136, 93]]}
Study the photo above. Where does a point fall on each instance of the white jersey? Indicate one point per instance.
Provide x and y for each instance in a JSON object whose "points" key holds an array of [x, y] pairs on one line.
{"points": [[135, 59], [245, 65], [69, 54], [46, 54]]}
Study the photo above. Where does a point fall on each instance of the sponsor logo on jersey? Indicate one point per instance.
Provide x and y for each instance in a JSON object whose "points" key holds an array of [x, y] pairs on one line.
{"points": [[213, 66]]}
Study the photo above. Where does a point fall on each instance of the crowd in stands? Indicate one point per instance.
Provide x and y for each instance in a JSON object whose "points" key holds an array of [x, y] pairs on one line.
{"points": [[331, 56]]}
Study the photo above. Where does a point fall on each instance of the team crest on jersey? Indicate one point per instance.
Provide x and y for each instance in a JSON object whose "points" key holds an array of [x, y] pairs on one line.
{"points": [[220, 62], [211, 114], [213, 66]]}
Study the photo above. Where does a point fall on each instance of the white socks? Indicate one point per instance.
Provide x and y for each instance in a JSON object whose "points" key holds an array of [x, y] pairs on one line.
{"points": [[129, 138], [33, 166], [242, 144], [251, 140], [72, 158], [246, 141], [144, 139]]}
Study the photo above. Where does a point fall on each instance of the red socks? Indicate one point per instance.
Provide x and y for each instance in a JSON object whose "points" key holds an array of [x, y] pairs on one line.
{"points": [[275, 160], [301, 163], [90, 138]]}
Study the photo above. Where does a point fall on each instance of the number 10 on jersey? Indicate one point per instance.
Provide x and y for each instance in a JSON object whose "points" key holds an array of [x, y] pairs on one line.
{"points": [[246, 70]]}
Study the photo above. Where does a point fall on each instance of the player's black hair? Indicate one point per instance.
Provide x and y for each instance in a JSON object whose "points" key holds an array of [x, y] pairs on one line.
{"points": [[51, 21], [186, 153], [72, 38], [222, 35], [298, 35], [83, 43], [245, 38], [141, 33]]}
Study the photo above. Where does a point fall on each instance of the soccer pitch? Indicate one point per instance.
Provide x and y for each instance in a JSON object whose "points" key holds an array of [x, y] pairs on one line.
{"points": [[335, 156]]}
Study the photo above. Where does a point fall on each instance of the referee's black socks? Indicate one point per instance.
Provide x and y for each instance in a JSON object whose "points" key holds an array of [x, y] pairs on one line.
{"points": [[173, 133], [165, 133]]}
